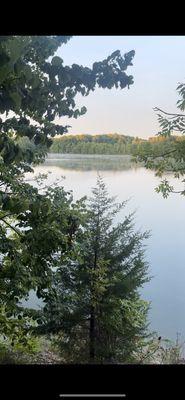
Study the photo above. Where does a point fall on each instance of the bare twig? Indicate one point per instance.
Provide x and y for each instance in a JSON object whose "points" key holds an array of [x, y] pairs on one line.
{"points": [[164, 112]]}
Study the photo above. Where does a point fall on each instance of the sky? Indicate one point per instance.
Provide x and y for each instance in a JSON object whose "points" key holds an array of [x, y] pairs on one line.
{"points": [[158, 67]]}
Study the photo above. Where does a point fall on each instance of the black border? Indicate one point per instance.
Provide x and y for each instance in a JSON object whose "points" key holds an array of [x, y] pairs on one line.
{"points": [[136, 381], [92, 18]]}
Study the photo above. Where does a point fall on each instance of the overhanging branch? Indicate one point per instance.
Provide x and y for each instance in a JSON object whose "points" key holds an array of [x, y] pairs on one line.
{"points": [[173, 114]]}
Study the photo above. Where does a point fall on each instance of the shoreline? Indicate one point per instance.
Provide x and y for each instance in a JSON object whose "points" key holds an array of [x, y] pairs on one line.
{"points": [[80, 155]]}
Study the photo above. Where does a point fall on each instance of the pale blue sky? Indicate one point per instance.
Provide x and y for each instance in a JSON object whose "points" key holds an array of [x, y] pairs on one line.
{"points": [[158, 67]]}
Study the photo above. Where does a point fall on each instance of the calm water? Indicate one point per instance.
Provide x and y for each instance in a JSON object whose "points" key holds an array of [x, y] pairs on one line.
{"points": [[164, 217]]}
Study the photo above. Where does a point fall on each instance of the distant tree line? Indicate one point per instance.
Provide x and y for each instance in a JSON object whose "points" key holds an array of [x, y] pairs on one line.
{"points": [[92, 144], [112, 144]]}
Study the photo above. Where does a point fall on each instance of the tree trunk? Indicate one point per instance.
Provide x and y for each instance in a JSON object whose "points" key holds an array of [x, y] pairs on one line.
{"points": [[92, 335]]}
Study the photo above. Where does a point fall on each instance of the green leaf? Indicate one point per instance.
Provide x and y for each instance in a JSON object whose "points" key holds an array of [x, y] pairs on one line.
{"points": [[15, 96]]}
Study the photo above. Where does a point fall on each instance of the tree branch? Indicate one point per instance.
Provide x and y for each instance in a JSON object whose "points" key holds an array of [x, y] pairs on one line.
{"points": [[168, 152], [180, 191], [164, 154], [10, 226], [164, 112]]}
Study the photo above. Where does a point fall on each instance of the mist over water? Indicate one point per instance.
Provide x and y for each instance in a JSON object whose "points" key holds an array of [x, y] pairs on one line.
{"points": [[165, 218]]}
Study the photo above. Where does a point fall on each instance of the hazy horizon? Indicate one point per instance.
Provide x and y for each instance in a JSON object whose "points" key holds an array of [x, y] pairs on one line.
{"points": [[158, 67]]}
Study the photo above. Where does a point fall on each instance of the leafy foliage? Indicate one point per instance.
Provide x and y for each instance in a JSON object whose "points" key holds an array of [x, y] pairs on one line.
{"points": [[171, 158]]}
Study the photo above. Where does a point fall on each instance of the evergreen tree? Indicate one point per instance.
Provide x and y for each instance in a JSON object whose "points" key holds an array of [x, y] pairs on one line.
{"points": [[94, 305]]}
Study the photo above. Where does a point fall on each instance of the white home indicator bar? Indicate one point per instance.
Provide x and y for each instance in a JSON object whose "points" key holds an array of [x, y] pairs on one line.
{"points": [[92, 395]]}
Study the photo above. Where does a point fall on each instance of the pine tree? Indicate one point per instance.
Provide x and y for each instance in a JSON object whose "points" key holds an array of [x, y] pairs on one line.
{"points": [[94, 305]]}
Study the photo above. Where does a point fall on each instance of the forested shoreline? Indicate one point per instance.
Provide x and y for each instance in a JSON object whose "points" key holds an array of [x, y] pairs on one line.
{"points": [[113, 144]]}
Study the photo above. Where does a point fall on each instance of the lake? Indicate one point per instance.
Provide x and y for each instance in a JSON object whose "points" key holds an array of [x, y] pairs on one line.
{"points": [[165, 218]]}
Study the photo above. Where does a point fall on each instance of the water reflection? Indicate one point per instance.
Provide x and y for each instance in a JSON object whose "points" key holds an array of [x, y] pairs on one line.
{"points": [[80, 162]]}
